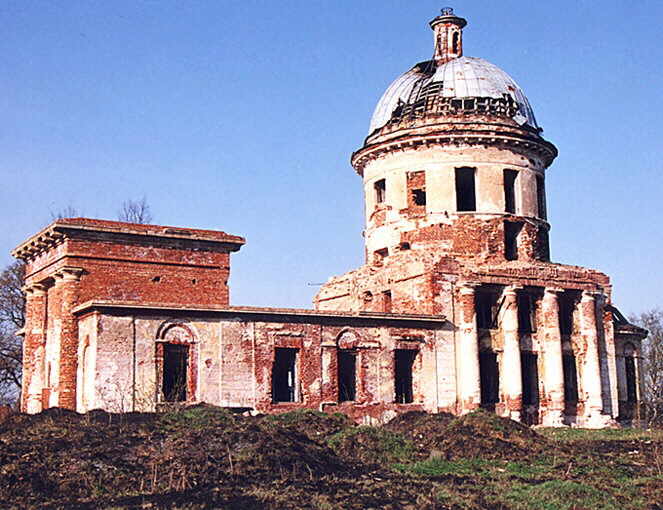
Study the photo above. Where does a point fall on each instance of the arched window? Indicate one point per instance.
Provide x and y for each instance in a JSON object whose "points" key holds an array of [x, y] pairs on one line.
{"points": [[455, 40], [631, 373], [176, 363]]}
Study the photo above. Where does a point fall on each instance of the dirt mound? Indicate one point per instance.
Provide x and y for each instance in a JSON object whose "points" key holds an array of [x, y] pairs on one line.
{"points": [[78, 456], [372, 446], [487, 436], [315, 425], [418, 426]]}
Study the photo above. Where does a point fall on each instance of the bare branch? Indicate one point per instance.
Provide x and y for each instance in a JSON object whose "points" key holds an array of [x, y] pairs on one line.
{"points": [[66, 212], [135, 211]]}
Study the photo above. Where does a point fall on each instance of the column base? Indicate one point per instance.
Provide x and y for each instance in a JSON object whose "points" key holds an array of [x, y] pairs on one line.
{"points": [[553, 418], [514, 415], [33, 404], [468, 407], [596, 420]]}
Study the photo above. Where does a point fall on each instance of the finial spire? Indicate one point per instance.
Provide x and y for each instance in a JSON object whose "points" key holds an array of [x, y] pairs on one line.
{"points": [[448, 33]]}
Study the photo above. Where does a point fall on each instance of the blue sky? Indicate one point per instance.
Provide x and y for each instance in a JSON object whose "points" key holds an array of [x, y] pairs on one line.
{"points": [[242, 115]]}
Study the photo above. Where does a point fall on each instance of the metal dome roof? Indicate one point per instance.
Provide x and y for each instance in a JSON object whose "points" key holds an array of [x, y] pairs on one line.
{"points": [[462, 77]]}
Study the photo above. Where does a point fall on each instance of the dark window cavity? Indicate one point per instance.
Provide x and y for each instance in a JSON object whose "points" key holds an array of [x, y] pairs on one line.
{"points": [[567, 305], [284, 375], [486, 306], [465, 192], [175, 364], [380, 189], [511, 231], [490, 377], [386, 301], [404, 363], [530, 379], [416, 188], [541, 196], [526, 313], [380, 255], [543, 244], [454, 44], [631, 380], [570, 377], [419, 196], [510, 190], [347, 375]]}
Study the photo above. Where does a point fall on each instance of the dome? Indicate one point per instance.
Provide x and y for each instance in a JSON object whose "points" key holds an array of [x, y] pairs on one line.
{"points": [[463, 77]]}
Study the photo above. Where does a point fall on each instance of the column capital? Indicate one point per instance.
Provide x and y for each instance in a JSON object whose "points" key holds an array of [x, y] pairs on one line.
{"points": [[511, 290], [468, 287], [34, 289], [590, 295], [553, 290], [69, 274]]}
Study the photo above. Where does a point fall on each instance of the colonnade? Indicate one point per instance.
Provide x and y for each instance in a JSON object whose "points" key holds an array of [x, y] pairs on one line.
{"points": [[49, 317], [549, 336]]}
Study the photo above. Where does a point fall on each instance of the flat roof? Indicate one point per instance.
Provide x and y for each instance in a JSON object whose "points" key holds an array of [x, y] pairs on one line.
{"points": [[59, 227], [251, 310]]}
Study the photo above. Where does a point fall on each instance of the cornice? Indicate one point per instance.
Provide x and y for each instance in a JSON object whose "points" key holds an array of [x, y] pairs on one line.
{"points": [[453, 133]]}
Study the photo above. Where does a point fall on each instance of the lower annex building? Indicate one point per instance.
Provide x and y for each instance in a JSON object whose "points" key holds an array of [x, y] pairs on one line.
{"points": [[457, 306]]}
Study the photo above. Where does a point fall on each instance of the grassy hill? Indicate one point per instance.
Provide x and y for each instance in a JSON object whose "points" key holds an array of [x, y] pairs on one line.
{"points": [[207, 457]]}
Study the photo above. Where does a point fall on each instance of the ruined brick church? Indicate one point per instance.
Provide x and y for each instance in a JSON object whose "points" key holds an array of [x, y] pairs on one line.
{"points": [[457, 306]]}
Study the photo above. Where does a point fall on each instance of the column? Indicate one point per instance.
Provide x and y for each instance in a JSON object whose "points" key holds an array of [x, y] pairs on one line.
{"points": [[469, 379], [33, 348], [552, 360], [512, 384], [591, 370], [68, 279]]}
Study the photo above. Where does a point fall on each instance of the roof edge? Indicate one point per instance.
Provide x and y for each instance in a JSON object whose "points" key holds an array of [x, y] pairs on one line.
{"points": [[251, 310]]}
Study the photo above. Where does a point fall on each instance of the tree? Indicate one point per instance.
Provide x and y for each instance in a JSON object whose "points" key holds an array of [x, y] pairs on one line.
{"points": [[66, 212], [135, 211], [652, 360], [12, 318]]}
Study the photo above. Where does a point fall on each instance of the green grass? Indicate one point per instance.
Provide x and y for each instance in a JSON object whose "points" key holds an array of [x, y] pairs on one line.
{"points": [[441, 467], [195, 417], [377, 444], [294, 417], [560, 495], [578, 434]]}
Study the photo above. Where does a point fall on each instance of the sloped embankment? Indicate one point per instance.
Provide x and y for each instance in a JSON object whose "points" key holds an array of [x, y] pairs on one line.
{"points": [[207, 457]]}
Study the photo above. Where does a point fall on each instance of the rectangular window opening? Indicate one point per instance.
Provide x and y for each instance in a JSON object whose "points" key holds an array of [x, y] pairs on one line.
{"points": [[380, 190], [541, 197], [347, 375], [284, 375], [631, 385], [404, 364], [379, 256], [419, 196], [570, 377], [465, 190], [175, 364], [510, 190], [386, 301], [511, 231], [490, 376]]}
